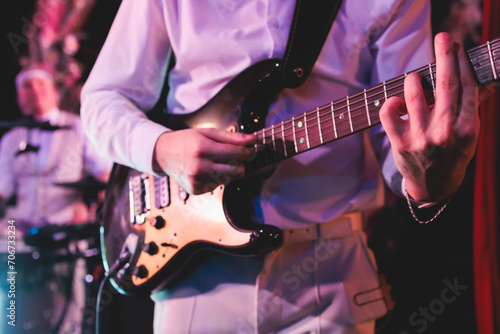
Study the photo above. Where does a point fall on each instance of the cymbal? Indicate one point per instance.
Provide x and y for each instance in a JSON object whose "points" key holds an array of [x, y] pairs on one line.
{"points": [[29, 124], [86, 184]]}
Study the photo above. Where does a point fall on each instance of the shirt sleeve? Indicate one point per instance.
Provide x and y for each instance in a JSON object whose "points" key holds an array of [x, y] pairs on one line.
{"points": [[124, 83], [404, 45], [96, 165]]}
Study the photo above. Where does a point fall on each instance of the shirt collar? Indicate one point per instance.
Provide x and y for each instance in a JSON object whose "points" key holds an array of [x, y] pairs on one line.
{"points": [[51, 116]]}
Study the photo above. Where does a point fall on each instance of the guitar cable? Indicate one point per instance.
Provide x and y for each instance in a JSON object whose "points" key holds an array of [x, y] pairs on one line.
{"points": [[119, 264]]}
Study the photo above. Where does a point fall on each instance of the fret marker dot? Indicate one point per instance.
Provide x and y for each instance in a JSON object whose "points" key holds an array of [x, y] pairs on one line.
{"points": [[299, 124], [341, 116], [377, 103], [301, 140]]}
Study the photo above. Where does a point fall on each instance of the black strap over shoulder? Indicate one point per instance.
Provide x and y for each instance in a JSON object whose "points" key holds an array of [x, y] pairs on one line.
{"points": [[312, 21]]}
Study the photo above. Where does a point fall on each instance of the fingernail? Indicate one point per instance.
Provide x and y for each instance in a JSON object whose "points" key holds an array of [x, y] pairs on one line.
{"points": [[443, 38]]}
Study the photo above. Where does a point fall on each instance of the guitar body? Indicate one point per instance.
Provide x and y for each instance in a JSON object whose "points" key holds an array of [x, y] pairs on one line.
{"points": [[162, 226]]}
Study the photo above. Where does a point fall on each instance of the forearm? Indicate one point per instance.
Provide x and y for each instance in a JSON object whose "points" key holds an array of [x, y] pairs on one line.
{"points": [[119, 130], [125, 82]]}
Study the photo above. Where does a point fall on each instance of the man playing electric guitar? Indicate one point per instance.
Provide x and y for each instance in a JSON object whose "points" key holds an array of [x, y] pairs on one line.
{"points": [[322, 278]]}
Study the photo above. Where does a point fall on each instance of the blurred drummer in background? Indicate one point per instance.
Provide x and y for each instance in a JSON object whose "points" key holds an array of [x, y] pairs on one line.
{"points": [[33, 161]]}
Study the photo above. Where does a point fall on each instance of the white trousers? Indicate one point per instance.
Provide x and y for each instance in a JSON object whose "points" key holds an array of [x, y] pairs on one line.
{"points": [[323, 286]]}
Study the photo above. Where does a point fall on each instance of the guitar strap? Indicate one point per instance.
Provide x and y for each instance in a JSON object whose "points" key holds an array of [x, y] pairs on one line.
{"points": [[311, 23]]}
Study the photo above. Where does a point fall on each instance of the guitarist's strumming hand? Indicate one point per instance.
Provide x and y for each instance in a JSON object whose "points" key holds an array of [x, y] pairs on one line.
{"points": [[433, 147], [201, 159]]}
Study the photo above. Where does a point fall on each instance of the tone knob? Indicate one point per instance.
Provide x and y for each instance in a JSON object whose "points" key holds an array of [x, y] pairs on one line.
{"points": [[150, 248], [158, 222], [141, 271]]}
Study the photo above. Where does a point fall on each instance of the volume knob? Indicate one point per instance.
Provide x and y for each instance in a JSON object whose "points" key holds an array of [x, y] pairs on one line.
{"points": [[141, 271], [158, 222], [150, 248]]}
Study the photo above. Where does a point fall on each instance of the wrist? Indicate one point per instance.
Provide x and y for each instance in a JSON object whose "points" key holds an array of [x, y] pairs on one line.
{"points": [[157, 155], [429, 193], [430, 209], [414, 202]]}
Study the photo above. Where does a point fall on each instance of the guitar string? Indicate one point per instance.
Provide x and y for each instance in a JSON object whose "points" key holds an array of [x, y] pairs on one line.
{"points": [[425, 71], [341, 110], [314, 114], [355, 112], [340, 106]]}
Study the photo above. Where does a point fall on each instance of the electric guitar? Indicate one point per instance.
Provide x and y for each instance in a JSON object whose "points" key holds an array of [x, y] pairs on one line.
{"points": [[156, 232]]}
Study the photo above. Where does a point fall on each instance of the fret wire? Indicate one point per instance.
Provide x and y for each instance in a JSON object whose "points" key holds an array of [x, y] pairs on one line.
{"points": [[294, 136], [349, 113], [273, 139], [333, 120], [491, 61], [367, 109], [319, 126], [432, 80], [306, 131], [284, 139]]}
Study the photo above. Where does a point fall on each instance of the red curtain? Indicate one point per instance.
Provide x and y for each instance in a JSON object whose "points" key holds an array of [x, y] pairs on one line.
{"points": [[486, 197]]}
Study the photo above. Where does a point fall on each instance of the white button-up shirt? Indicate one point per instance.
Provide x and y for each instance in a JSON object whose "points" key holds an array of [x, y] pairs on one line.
{"points": [[370, 41], [63, 156], [213, 41]]}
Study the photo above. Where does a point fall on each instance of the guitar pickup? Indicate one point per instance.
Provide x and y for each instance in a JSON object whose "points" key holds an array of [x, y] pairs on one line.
{"points": [[139, 198], [162, 191]]}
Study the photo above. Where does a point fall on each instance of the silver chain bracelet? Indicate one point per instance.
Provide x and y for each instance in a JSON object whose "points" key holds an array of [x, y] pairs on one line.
{"points": [[413, 211]]}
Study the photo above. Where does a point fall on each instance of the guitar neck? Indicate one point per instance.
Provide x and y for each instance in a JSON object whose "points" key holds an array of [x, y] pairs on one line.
{"points": [[343, 117]]}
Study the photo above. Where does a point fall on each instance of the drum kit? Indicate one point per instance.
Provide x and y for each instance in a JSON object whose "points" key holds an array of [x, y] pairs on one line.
{"points": [[39, 251]]}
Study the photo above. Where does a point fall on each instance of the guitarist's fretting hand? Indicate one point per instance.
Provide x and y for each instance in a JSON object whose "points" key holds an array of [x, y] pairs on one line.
{"points": [[434, 146], [199, 160]]}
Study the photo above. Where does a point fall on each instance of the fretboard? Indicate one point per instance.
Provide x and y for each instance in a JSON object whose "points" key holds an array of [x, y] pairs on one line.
{"points": [[357, 112]]}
